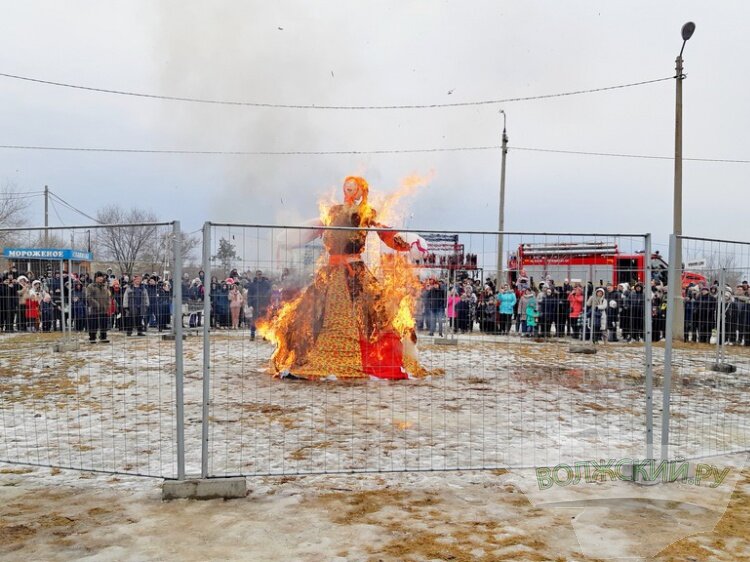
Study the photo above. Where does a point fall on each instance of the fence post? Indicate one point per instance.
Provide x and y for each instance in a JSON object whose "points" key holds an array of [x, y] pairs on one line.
{"points": [[674, 288], [178, 357], [647, 328], [206, 345], [720, 318]]}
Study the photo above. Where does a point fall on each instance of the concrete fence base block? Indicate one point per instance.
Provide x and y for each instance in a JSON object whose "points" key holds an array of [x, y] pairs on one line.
{"points": [[445, 341], [204, 489], [68, 345], [723, 368], [170, 337], [585, 348], [637, 478]]}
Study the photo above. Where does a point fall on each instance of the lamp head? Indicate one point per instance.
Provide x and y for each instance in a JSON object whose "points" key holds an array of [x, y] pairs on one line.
{"points": [[687, 30]]}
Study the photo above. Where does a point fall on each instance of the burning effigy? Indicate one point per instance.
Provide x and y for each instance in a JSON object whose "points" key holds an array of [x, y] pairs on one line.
{"points": [[351, 322]]}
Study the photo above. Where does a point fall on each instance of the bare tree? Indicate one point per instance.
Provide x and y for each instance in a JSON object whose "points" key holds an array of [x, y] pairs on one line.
{"points": [[13, 207], [717, 261], [126, 245], [159, 253]]}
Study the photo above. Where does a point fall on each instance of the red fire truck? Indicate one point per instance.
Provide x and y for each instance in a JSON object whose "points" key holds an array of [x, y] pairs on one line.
{"points": [[598, 262]]}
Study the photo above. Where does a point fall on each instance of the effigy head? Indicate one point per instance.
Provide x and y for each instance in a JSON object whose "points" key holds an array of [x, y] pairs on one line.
{"points": [[355, 189]]}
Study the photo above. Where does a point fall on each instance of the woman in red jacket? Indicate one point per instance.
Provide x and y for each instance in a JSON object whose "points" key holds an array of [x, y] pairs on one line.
{"points": [[575, 299]]}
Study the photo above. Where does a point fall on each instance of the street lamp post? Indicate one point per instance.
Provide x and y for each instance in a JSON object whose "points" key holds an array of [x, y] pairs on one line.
{"points": [[501, 219], [678, 319]]}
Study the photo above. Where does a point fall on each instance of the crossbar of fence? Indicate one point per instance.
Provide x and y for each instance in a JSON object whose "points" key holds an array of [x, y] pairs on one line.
{"points": [[428, 231]]}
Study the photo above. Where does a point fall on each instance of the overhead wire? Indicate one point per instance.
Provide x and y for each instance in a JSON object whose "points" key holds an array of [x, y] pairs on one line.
{"points": [[245, 152], [72, 208], [329, 107], [16, 197], [622, 155], [54, 208], [362, 152]]}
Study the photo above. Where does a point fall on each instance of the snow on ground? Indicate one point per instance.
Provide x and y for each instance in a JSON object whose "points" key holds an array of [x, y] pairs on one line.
{"points": [[489, 403]]}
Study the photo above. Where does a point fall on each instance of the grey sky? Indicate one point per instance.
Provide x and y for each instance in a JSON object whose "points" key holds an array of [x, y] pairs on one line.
{"points": [[384, 52]]}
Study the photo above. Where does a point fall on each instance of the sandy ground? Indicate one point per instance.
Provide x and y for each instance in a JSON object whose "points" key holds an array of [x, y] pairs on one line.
{"points": [[463, 516], [490, 403]]}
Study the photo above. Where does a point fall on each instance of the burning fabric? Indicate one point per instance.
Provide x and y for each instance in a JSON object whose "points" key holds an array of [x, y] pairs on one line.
{"points": [[350, 322]]}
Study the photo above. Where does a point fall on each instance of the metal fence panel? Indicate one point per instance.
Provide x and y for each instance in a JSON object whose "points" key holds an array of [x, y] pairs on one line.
{"points": [[490, 396], [69, 402], [708, 360]]}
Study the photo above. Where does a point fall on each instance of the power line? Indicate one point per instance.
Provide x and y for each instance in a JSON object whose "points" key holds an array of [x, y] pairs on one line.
{"points": [[16, 197], [619, 155], [358, 152], [245, 152], [72, 208], [54, 208], [330, 107]]}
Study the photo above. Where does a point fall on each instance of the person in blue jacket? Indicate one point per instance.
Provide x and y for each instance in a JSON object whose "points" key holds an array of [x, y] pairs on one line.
{"points": [[507, 300]]}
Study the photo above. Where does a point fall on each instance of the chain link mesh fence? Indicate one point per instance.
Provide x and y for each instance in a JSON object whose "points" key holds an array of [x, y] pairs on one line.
{"points": [[490, 382]]}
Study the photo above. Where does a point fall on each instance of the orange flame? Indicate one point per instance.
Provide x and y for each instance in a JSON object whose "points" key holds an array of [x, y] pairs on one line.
{"points": [[390, 212], [395, 284]]}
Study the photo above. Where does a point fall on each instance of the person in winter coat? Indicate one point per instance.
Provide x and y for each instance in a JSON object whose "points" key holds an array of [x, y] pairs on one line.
{"points": [[97, 308], [659, 314], [548, 309], [463, 313], [450, 309], [634, 307], [118, 316], [733, 316], [435, 307], [614, 304], [152, 311], [220, 297], [236, 302], [163, 304], [136, 304], [489, 314], [742, 297], [532, 313], [596, 309], [507, 299], [726, 330], [33, 300], [47, 312], [78, 307], [705, 315], [23, 289], [690, 331], [9, 293], [575, 303]]}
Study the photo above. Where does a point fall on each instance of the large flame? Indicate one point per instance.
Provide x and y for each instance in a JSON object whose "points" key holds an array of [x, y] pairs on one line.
{"points": [[272, 326], [395, 283], [400, 289]]}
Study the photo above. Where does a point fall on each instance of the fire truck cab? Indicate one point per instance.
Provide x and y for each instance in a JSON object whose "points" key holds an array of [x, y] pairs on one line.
{"points": [[598, 262]]}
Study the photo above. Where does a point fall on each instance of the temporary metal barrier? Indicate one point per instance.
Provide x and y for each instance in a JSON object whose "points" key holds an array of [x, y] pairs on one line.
{"points": [[707, 355], [490, 395], [80, 387]]}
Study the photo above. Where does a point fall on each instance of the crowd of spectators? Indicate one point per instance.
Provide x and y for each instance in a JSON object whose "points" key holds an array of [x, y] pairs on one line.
{"points": [[571, 309], [95, 304], [136, 303]]}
